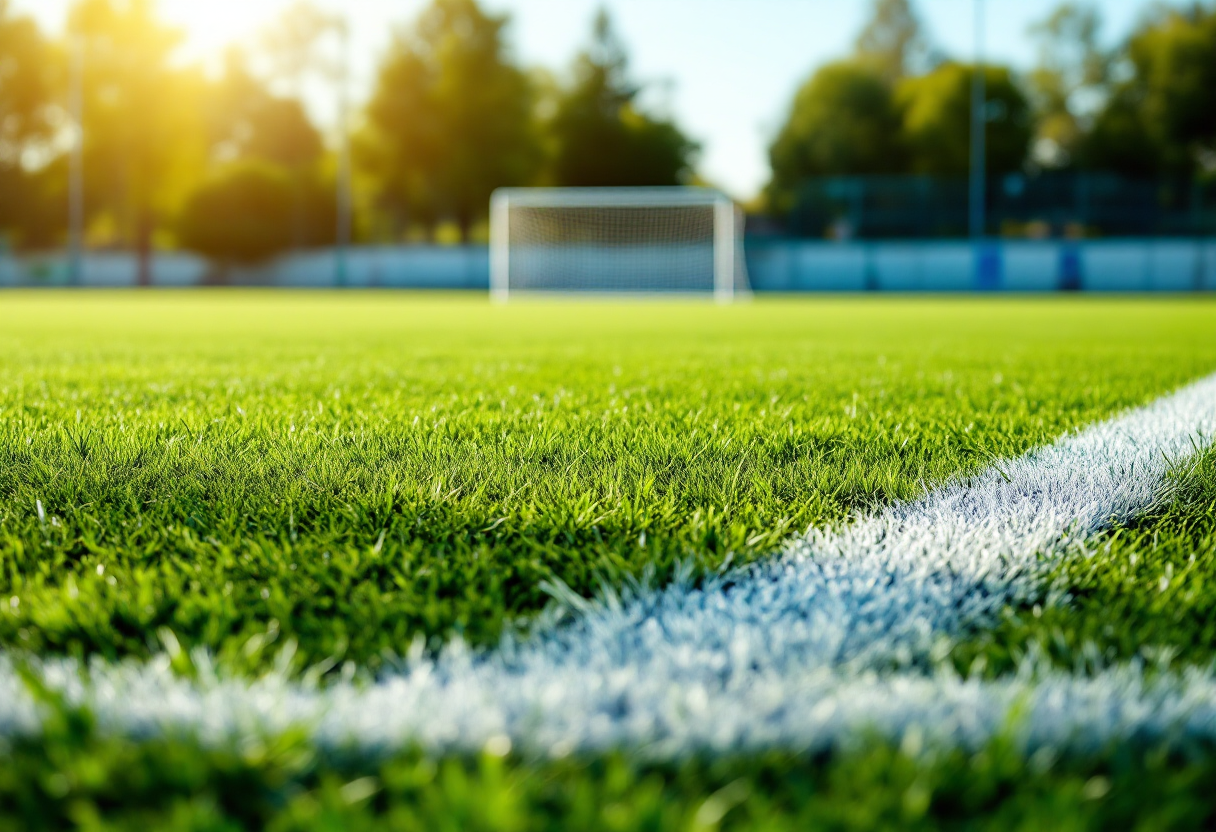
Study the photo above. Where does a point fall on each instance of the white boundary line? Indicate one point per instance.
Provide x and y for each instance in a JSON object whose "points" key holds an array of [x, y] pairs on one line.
{"points": [[831, 638]]}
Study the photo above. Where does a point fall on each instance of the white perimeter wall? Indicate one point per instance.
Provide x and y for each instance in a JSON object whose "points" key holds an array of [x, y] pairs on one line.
{"points": [[773, 266]]}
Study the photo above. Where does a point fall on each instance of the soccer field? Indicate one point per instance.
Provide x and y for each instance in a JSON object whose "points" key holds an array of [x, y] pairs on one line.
{"points": [[319, 492]]}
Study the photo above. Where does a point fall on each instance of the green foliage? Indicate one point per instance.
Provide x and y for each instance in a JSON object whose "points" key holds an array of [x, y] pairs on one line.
{"points": [[1156, 94], [243, 214], [1175, 81], [936, 111], [151, 128], [450, 118], [893, 41], [31, 205], [843, 121], [30, 81], [1120, 139], [143, 136], [601, 136], [30, 78], [247, 121], [1074, 69], [73, 776], [350, 472]]}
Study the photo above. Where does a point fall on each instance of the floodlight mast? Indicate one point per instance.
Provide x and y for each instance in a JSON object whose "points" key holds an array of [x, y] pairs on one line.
{"points": [[342, 232], [76, 166], [979, 129]]}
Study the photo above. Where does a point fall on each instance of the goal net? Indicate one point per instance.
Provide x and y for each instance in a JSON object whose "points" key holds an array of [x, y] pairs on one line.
{"points": [[616, 240]]}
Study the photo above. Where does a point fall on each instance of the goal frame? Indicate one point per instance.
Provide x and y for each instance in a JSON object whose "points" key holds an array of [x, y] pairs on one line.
{"points": [[725, 219]]}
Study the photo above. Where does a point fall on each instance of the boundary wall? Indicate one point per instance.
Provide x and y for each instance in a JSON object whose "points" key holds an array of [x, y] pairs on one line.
{"points": [[774, 265], [1010, 266]]}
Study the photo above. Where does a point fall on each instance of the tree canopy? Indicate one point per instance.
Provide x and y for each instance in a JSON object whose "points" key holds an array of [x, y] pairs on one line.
{"points": [[451, 117], [242, 214], [248, 121], [843, 121], [143, 135], [936, 113], [1068, 84], [893, 42], [602, 137], [1174, 84], [30, 81]]}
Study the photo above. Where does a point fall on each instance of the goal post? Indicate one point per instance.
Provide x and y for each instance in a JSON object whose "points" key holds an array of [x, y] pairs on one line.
{"points": [[680, 241]]}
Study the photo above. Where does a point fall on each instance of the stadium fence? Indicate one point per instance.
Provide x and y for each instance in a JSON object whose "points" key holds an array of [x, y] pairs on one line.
{"points": [[774, 265]]}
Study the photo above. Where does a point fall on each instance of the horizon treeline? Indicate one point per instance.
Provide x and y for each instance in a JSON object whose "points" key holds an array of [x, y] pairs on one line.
{"points": [[1145, 107], [230, 164]]}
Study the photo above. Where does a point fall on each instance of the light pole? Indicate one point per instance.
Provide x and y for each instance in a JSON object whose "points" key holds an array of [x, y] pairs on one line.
{"points": [[76, 167], [343, 230], [979, 127]]}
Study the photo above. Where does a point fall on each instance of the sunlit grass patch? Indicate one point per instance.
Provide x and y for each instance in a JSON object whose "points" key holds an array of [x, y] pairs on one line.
{"points": [[348, 472]]}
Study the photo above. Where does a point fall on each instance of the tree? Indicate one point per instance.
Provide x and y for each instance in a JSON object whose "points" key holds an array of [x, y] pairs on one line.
{"points": [[144, 139], [292, 49], [30, 80], [1120, 139], [893, 41], [937, 120], [1174, 81], [451, 117], [1070, 83], [240, 215], [843, 122], [1160, 116], [293, 45], [28, 85], [601, 136], [248, 121]]}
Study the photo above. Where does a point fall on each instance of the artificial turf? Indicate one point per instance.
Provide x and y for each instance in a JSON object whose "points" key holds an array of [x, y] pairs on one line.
{"points": [[347, 472]]}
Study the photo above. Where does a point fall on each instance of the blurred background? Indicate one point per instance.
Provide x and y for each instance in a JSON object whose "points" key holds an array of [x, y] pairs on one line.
{"points": [[893, 144]]}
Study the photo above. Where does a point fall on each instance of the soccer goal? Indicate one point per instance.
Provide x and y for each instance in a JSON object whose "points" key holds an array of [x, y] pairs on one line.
{"points": [[616, 240]]}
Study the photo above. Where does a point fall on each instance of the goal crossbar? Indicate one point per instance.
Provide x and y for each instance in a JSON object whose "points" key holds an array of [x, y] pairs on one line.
{"points": [[594, 208]]}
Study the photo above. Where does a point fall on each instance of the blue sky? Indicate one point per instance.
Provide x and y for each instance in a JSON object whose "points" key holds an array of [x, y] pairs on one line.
{"points": [[726, 68]]}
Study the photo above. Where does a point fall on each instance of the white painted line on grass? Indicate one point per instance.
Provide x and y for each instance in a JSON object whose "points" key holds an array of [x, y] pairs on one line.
{"points": [[831, 638]]}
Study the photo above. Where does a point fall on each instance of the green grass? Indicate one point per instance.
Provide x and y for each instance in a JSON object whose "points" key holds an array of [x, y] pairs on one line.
{"points": [[74, 777], [351, 471]]}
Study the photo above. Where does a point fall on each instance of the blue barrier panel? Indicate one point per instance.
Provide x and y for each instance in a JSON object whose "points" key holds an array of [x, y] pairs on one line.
{"points": [[824, 267], [898, 267], [773, 266], [1031, 267], [769, 266], [948, 267], [1175, 265], [989, 267], [1072, 269], [1115, 266]]}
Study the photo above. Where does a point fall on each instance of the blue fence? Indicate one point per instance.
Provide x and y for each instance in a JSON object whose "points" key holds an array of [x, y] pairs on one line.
{"points": [[1011, 266], [774, 265]]}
